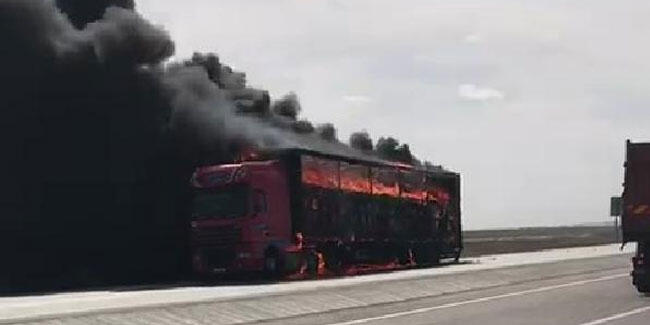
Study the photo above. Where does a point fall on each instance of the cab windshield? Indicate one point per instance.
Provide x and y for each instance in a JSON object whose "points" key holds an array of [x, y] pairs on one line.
{"points": [[223, 203]]}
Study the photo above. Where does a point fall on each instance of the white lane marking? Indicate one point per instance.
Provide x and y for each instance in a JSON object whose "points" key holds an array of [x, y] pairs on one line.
{"points": [[618, 316], [484, 299]]}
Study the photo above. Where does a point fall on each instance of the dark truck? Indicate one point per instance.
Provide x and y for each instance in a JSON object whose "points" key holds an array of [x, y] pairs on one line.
{"points": [[305, 211], [636, 210]]}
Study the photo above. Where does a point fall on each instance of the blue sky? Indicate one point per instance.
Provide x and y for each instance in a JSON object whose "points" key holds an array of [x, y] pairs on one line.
{"points": [[530, 100]]}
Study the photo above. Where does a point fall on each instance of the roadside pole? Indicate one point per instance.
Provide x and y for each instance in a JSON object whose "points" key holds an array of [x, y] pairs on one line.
{"points": [[615, 211]]}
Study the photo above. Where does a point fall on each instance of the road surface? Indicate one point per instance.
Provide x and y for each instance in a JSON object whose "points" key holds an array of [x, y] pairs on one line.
{"points": [[596, 298], [585, 286]]}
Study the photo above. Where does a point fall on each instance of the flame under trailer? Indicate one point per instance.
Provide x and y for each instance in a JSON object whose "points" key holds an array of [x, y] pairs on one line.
{"points": [[636, 210], [305, 212]]}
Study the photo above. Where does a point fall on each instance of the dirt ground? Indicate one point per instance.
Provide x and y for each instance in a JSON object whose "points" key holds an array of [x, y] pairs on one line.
{"points": [[485, 242]]}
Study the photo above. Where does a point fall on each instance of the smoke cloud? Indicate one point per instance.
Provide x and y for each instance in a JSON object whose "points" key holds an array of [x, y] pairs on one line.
{"points": [[288, 106], [361, 141], [89, 123], [327, 132], [82, 12], [390, 149]]}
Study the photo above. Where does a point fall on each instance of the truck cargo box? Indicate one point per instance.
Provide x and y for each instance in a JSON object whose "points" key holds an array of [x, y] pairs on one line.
{"points": [[636, 193], [376, 201]]}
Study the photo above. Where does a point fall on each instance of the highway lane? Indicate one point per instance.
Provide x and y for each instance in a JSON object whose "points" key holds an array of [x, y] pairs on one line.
{"points": [[416, 296], [590, 299]]}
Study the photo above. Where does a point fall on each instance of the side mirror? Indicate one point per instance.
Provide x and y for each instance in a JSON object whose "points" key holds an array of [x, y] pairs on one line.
{"points": [[616, 206]]}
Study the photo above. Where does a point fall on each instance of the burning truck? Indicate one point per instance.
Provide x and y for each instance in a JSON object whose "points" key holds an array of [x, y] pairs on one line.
{"points": [[300, 211], [104, 130]]}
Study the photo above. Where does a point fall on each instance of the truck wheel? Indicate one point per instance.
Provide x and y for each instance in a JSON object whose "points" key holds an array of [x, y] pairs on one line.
{"points": [[427, 255], [312, 264], [272, 266], [435, 257], [643, 288], [404, 255], [334, 255], [334, 262]]}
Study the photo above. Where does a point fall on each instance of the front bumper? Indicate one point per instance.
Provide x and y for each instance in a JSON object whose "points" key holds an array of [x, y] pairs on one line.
{"points": [[226, 259]]}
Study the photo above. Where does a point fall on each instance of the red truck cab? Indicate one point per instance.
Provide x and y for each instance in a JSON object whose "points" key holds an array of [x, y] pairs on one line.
{"points": [[240, 217]]}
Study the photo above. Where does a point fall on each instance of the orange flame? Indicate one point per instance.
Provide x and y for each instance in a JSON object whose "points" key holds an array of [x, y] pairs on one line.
{"points": [[320, 179], [356, 184]]}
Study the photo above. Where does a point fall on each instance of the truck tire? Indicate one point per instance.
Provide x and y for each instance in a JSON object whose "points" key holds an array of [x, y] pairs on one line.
{"points": [[334, 261], [403, 255], [435, 259], [427, 255], [643, 288], [334, 254], [272, 264], [312, 264]]}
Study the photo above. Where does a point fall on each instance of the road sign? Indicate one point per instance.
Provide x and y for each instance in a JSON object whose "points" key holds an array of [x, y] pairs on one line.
{"points": [[616, 206]]}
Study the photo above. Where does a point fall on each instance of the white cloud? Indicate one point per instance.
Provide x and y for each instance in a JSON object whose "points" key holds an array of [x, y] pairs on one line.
{"points": [[473, 38], [473, 92], [357, 99]]}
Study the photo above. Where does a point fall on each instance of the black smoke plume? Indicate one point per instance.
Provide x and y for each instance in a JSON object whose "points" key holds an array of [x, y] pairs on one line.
{"points": [[361, 141], [89, 121], [390, 149], [288, 106], [82, 12], [327, 132]]}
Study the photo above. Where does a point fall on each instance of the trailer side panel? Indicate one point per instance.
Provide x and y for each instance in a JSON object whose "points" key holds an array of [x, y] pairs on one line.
{"points": [[636, 193]]}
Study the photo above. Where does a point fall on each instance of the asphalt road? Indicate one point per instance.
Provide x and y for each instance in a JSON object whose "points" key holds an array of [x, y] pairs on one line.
{"points": [[583, 286], [596, 298]]}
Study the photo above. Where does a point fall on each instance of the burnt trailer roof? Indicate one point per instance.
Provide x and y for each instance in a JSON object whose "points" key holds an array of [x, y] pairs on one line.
{"points": [[313, 144], [356, 157]]}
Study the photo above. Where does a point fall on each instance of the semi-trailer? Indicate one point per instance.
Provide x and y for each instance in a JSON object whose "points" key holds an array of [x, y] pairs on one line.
{"points": [[300, 210]]}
